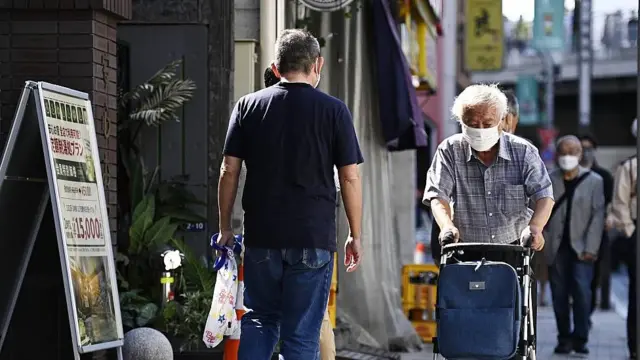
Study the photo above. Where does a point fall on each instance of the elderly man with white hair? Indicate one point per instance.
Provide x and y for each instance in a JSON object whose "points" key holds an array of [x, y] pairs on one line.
{"points": [[482, 181], [486, 176]]}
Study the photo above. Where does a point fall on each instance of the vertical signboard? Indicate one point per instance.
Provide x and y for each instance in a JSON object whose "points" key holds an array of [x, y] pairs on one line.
{"points": [[527, 93], [82, 220], [76, 192], [548, 25], [484, 35]]}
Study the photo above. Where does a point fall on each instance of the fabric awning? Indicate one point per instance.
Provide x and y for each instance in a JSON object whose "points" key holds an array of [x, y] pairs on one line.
{"points": [[400, 115]]}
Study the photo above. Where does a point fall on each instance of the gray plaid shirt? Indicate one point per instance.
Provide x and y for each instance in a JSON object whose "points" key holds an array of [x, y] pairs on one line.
{"points": [[489, 203]]}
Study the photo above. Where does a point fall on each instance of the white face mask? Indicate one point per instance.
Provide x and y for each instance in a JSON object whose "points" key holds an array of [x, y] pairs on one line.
{"points": [[568, 162], [481, 139]]}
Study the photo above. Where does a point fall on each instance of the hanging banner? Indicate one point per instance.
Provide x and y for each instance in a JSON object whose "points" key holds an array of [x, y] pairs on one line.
{"points": [[527, 94], [82, 215], [548, 25], [484, 35]]}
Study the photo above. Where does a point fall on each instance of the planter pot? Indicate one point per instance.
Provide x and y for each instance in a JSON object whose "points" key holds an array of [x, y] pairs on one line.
{"points": [[214, 354]]}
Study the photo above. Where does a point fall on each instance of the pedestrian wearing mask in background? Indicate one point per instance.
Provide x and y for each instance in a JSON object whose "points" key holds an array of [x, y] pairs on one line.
{"points": [[622, 218], [602, 271], [574, 234], [510, 125]]}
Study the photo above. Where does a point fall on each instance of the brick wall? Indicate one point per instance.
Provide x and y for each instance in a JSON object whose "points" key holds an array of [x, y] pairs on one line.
{"points": [[72, 44]]}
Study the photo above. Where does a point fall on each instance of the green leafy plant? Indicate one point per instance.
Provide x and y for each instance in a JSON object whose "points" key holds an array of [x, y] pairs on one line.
{"points": [[157, 100], [147, 231], [186, 319], [154, 210], [195, 275], [137, 310]]}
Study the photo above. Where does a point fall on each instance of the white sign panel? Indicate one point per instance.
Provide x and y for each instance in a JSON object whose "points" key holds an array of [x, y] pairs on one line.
{"points": [[81, 217]]}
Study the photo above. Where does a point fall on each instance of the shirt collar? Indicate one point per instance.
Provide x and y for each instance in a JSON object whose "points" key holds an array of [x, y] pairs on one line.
{"points": [[503, 149]]}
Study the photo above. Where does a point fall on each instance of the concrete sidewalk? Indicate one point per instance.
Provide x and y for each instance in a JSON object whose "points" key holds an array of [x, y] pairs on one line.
{"points": [[607, 342], [608, 338]]}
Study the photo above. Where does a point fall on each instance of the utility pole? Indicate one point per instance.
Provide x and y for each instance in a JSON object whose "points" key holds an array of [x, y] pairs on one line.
{"points": [[448, 89], [221, 38], [585, 63], [549, 75]]}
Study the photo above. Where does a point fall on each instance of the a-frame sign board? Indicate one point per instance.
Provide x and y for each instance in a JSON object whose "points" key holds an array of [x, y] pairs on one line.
{"points": [[51, 165]]}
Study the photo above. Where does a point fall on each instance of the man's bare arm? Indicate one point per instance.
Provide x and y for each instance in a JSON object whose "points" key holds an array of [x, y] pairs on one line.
{"points": [[351, 189], [227, 189], [541, 214], [441, 213]]}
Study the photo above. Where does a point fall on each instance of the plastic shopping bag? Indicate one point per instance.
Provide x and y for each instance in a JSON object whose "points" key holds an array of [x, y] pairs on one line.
{"points": [[222, 320]]}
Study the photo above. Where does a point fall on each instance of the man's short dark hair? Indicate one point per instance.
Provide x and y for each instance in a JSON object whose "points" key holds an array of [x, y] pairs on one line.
{"points": [[512, 103], [296, 51], [270, 77], [589, 138]]}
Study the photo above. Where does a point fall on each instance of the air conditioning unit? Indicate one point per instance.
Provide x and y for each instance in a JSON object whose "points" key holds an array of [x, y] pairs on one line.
{"points": [[245, 75]]}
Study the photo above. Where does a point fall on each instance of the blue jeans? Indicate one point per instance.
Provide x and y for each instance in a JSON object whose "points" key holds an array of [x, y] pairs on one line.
{"points": [[287, 292], [571, 277]]}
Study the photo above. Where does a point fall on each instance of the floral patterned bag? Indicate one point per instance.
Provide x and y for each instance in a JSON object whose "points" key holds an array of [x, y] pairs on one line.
{"points": [[222, 320]]}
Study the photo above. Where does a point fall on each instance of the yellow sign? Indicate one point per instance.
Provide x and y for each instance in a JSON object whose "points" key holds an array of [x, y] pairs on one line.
{"points": [[418, 36], [484, 35]]}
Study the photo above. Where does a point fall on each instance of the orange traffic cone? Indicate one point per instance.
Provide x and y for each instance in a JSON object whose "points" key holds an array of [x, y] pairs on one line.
{"points": [[420, 254], [232, 344]]}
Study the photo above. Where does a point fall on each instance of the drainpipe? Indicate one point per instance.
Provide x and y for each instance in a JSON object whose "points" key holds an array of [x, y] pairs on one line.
{"points": [[448, 89], [272, 21]]}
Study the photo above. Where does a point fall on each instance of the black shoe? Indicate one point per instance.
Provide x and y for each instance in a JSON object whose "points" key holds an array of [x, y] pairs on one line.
{"points": [[634, 356], [581, 349], [562, 349]]}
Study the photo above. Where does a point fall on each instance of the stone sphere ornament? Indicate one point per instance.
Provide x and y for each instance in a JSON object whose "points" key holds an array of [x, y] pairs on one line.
{"points": [[146, 344]]}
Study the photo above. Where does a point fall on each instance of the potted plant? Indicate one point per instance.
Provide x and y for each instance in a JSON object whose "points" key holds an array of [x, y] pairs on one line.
{"points": [[150, 210]]}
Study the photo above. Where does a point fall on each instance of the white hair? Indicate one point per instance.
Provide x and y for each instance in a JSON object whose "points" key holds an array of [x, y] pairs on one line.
{"points": [[480, 95]]}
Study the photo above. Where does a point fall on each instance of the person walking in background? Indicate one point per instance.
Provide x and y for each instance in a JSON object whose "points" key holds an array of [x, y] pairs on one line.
{"points": [[510, 122], [574, 233], [539, 265], [521, 35], [602, 271], [622, 218], [290, 136], [327, 337]]}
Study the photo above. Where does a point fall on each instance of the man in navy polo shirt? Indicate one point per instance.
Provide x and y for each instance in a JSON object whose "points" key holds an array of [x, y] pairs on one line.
{"points": [[290, 137]]}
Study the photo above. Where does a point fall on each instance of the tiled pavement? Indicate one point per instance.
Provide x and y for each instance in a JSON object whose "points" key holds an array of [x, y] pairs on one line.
{"points": [[607, 338]]}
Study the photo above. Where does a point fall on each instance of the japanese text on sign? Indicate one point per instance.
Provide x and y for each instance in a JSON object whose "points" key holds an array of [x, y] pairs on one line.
{"points": [[484, 35]]}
